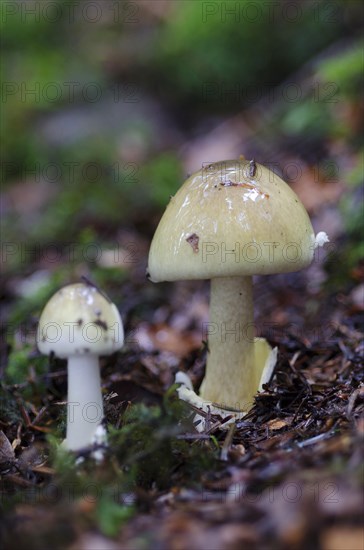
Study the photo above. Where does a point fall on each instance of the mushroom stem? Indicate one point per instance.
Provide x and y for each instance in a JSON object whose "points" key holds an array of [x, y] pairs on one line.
{"points": [[85, 407], [230, 378]]}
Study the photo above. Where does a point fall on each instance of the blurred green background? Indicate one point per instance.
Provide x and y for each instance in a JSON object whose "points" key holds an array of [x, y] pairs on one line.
{"points": [[107, 105]]}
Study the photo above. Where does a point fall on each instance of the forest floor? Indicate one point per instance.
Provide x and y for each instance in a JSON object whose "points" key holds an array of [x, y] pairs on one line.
{"points": [[289, 475]]}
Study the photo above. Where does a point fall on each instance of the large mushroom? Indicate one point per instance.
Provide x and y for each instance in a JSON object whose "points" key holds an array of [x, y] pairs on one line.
{"points": [[229, 221], [79, 324]]}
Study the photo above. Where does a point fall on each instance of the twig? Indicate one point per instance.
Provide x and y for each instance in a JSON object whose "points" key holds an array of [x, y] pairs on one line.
{"points": [[315, 439], [227, 443], [352, 399]]}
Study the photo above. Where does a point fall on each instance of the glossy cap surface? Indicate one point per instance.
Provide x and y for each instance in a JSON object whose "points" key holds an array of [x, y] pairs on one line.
{"points": [[231, 218], [79, 320]]}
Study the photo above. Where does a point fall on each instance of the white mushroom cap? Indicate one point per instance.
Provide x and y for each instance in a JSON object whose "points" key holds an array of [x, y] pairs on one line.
{"points": [[79, 320], [232, 218]]}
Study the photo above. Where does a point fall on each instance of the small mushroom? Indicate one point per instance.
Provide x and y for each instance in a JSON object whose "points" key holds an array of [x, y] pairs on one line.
{"points": [[79, 324], [249, 222]]}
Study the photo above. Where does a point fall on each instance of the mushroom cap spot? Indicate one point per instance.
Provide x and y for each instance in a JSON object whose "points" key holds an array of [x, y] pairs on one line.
{"points": [[59, 329], [246, 225]]}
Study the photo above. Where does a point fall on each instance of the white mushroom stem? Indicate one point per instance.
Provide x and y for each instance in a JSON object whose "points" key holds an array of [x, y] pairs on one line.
{"points": [[230, 380], [85, 407]]}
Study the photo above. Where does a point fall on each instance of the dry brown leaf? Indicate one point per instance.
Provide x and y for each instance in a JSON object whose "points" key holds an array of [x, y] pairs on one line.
{"points": [[278, 423], [162, 337], [314, 189], [343, 538]]}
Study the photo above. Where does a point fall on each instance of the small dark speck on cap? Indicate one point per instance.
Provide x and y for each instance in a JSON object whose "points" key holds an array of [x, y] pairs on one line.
{"points": [[101, 324], [193, 240], [252, 168]]}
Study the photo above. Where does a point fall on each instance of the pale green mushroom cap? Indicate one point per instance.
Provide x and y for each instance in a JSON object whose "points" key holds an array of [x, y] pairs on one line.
{"points": [[79, 320], [228, 219]]}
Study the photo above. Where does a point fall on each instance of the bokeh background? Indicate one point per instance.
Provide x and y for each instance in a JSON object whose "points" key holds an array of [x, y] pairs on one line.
{"points": [[107, 106]]}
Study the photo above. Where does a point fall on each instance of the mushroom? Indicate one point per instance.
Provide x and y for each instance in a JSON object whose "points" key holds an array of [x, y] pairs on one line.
{"points": [[79, 323], [229, 221]]}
